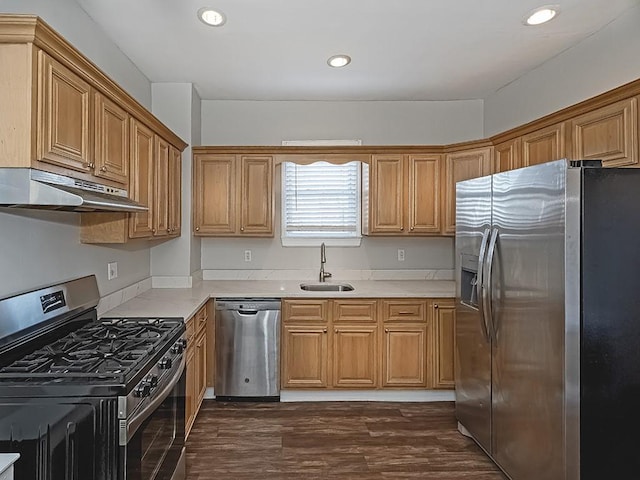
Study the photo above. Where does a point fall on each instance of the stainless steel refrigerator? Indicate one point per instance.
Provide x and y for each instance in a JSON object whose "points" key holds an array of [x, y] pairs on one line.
{"points": [[548, 320]]}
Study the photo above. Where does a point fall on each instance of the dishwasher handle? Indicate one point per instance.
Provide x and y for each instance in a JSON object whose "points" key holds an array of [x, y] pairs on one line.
{"points": [[247, 312]]}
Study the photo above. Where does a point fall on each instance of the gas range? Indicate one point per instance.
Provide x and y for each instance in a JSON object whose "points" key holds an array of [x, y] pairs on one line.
{"points": [[113, 379]]}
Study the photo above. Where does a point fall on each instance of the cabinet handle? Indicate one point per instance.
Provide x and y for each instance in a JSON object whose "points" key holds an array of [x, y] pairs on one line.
{"points": [[103, 169], [404, 313], [91, 165]]}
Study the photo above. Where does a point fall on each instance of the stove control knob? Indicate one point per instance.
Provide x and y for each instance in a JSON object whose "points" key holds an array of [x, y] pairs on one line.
{"points": [[142, 390], [152, 381], [165, 364], [179, 346]]}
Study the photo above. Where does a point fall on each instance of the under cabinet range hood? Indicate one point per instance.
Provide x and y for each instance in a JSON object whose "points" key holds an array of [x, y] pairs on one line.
{"points": [[31, 188]]}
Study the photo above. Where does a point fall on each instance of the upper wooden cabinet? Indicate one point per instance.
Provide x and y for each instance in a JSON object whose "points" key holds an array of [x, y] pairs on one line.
{"points": [[462, 165], [111, 140], [507, 155], [403, 195], [544, 145], [175, 191], [609, 134], [142, 180], [65, 126], [233, 195]]}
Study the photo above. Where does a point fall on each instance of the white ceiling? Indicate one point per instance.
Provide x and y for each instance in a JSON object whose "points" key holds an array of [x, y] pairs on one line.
{"points": [[401, 50]]}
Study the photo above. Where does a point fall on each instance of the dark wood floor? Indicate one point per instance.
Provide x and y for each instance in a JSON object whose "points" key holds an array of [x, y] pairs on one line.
{"points": [[332, 440]]}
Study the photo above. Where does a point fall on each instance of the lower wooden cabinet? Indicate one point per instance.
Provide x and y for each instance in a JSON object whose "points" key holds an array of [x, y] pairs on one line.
{"points": [[196, 365], [355, 356], [404, 356], [368, 343], [444, 321], [305, 356]]}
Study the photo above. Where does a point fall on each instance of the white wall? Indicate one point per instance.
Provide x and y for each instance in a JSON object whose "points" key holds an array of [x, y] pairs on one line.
{"points": [[375, 123], [177, 105], [606, 60], [38, 248]]}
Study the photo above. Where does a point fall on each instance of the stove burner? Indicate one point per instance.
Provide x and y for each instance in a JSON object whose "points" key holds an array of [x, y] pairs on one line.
{"points": [[103, 349]]}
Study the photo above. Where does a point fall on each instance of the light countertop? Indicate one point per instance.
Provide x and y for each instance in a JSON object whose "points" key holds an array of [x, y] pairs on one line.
{"points": [[184, 302]]}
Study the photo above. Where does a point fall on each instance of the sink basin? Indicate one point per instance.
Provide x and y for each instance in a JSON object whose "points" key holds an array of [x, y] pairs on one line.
{"points": [[326, 287]]}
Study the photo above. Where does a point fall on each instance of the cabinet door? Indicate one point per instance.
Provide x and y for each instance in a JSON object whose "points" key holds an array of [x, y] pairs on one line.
{"points": [[111, 141], [609, 134], [544, 145], [201, 369], [424, 193], [386, 190], [175, 191], [305, 356], [506, 155], [256, 195], [190, 390], [355, 356], [64, 126], [445, 337], [214, 194], [141, 182], [404, 359], [161, 188], [462, 166]]}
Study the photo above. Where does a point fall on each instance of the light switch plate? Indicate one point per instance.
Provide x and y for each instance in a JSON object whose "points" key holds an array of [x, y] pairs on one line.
{"points": [[401, 254], [247, 255], [112, 270]]}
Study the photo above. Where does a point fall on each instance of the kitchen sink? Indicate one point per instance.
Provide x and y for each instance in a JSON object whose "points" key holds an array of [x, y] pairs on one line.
{"points": [[326, 287]]}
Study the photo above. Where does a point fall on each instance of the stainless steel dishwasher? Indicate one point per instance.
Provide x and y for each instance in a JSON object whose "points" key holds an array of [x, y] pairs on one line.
{"points": [[247, 349]]}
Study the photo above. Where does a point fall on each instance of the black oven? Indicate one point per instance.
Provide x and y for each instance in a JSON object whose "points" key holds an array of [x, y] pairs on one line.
{"points": [[152, 439]]}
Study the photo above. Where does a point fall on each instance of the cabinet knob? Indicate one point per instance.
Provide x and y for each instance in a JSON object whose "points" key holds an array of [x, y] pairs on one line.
{"points": [[386, 330], [435, 305], [103, 169], [92, 165], [197, 229], [242, 229], [337, 331], [324, 330], [153, 230], [412, 229]]}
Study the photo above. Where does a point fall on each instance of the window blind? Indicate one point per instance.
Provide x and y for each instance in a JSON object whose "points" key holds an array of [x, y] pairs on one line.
{"points": [[321, 200]]}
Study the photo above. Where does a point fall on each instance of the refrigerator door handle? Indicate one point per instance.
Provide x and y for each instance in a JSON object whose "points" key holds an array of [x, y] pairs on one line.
{"points": [[488, 301], [480, 284]]}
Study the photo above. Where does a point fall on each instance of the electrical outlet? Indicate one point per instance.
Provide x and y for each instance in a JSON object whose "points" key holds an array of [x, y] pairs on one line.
{"points": [[112, 270], [247, 255], [401, 254]]}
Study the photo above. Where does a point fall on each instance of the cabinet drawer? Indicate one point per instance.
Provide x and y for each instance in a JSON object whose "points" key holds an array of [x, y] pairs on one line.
{"points": [[305, 311], [404, 310], [190, 330], [354, 311]]}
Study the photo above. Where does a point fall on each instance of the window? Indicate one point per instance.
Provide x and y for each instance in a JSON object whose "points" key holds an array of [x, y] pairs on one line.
{"points": [[321, 203]]}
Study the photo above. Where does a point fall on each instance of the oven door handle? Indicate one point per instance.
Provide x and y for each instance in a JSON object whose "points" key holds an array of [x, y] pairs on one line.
{"points": [[132, 424]]}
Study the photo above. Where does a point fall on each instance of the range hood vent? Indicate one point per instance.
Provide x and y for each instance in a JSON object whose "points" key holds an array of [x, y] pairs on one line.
{"points": [[30, 188]]}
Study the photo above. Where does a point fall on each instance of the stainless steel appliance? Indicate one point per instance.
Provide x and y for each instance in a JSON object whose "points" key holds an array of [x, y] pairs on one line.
{"points": [[548, 319], [247, 349], [89, 399]]}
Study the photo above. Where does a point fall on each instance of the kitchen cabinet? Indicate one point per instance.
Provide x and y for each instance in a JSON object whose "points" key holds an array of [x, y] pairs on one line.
{"points": [[368, 343], [175, 191], [196, 365], [355, 356], [161, 187], [141, 188], [444, 323], [305, 344], [544, 145], [111, 140], [406, 347], [233, 195], [507, 155], [608, 133], [462, 165], [403, 195]]}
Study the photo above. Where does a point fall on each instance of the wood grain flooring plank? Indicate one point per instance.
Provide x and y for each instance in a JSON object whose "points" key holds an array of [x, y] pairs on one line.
{"points": [[331, 441]]}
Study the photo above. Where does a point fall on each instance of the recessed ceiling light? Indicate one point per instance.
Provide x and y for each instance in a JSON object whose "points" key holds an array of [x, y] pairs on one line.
{"points": [[338, 61], [211, 17], [541, 15]]}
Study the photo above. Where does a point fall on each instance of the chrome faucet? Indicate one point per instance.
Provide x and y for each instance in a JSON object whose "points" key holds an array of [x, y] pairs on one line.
{"points": [[323, 259]]}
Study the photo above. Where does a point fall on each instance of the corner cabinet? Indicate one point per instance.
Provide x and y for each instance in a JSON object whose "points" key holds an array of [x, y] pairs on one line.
{"points": [[233, 195], [403, 195], [462, 165]]}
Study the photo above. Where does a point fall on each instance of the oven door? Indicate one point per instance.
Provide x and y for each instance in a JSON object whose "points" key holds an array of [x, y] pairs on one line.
{"points": [[155, 436]]}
